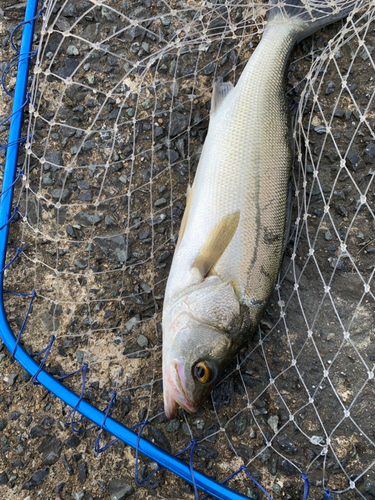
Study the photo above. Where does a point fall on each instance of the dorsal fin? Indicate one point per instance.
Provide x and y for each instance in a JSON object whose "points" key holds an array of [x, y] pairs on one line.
{"points": [[216, 243]]}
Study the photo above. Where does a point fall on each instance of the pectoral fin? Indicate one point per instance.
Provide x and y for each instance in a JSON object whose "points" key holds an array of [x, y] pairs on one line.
{"points": [[189, 195], [216, 243], [220, 90]]}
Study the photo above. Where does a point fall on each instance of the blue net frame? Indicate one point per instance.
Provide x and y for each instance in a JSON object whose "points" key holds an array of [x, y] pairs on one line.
{"points": [[100, 420]]}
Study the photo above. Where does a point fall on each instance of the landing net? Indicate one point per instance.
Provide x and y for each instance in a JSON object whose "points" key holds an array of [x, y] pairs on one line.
{"points": [[118, 112]]}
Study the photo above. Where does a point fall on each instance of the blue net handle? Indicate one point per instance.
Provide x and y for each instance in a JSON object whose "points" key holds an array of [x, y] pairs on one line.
{"points": [[98, 417]]}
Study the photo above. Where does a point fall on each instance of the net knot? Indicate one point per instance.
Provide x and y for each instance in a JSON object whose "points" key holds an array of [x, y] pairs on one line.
{"points": [[328, 494], [70, 418], [40, 13], [33, 295], [306, 488], [193, 444], [14, 218], [141, 425], [46, 352], [14, 62], [18, 251], [108, 412]]}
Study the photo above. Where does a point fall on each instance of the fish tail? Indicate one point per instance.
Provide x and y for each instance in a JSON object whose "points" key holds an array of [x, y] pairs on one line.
{"points": [[310, 15]]}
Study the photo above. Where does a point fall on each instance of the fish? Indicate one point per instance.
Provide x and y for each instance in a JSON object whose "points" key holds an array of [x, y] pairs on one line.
{"points": [[232, 234]]}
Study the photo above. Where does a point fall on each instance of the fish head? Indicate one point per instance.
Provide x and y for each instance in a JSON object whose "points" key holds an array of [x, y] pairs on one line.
{"points": [[192, 366], [197, 344]]}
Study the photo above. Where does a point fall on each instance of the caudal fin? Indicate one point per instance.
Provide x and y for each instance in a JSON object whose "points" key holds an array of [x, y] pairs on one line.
{"points": [[310, 15]]}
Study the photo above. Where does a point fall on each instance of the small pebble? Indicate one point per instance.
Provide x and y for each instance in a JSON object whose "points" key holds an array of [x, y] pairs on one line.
{"points": [[77, 456], [36, 479], [67, 466], [73, 441], [330, 87], [178, 123], [158, 436], [109, 14], [370, 487], [3, 478], [173, 425], [240, 424], [48, 421], [142, 235], [276, 489], [142, 341], [273, 422], [172, 155], [146, 104], [83, 185], [16, 463], [129, 325], [159, 202], [353, 159], [286, 444], [287, 467], [365, 52], [265, 455], [336, 263], [328, 235], [199, 423], [37, 431], [14, 415], [119, 488], [80, 355], [164, 256], [341, 210], [19, 449], [72, 51], [58, 488], [82, 472]]}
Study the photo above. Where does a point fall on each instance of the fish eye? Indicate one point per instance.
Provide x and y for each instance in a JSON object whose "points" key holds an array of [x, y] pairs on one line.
{"points": [[203, 372]]}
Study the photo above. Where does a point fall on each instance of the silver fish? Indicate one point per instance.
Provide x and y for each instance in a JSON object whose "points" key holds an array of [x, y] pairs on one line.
{"points": [[232, 234]]}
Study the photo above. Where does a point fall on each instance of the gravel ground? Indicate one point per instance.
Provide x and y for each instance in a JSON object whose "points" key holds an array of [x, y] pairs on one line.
{"points": [[119, 121]]}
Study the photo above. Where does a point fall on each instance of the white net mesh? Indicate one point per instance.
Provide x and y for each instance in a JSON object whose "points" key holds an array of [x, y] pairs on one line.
{"points": [[121, 106]]}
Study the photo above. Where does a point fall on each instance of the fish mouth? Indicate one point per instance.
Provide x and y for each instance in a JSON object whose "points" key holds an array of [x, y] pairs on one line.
{"points": [[175, 389]]}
